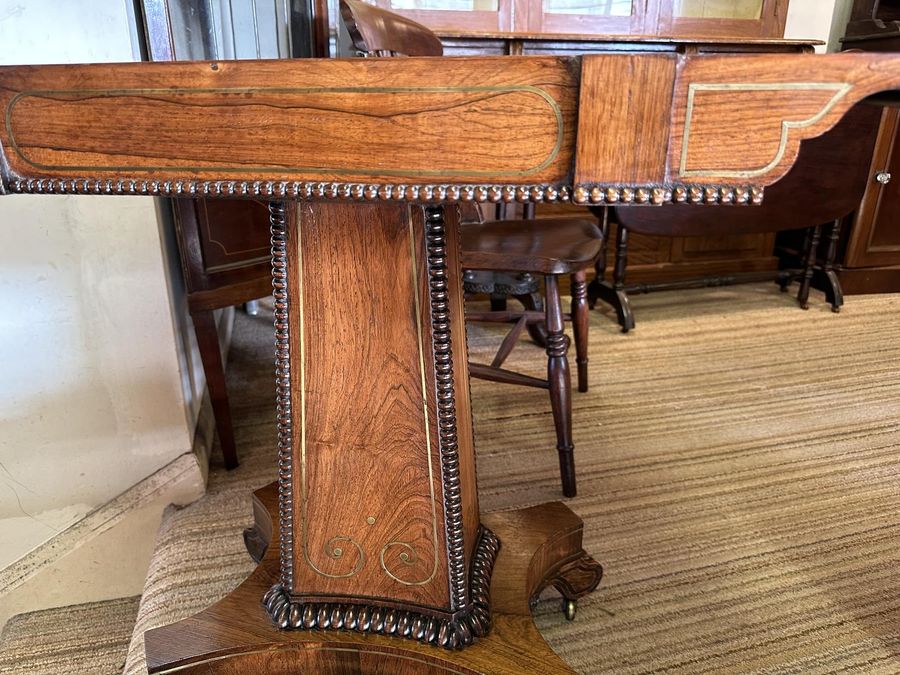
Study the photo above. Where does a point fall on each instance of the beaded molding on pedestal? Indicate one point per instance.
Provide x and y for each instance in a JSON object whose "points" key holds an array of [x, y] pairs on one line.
{"points": [[267, 189], [454, 632], [436, 250], [469, 615], [283, 392]]}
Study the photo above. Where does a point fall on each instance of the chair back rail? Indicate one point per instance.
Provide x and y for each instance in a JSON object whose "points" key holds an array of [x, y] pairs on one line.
{"points": [[377, 32]]}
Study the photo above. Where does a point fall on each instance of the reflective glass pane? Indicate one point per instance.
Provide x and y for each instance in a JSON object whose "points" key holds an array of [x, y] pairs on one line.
{"points": [[589, 7], [453, 5], [226, 29], [719, 9]]}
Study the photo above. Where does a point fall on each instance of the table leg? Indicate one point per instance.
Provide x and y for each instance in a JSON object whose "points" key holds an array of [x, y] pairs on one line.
{"points": [[381, 555]]}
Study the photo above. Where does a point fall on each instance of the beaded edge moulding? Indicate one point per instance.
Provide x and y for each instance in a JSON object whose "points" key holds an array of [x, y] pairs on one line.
{"points": [[579, 194]]}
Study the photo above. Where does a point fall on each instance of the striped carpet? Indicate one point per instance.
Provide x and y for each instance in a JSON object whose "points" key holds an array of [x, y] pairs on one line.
{"points": [[91, 638], [737, 474]]}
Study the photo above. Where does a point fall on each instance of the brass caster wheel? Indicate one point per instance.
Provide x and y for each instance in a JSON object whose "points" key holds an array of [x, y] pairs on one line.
{"points": [[569, 609]]}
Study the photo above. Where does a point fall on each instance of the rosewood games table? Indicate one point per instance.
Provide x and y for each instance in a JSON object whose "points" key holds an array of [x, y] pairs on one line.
{"points": [[380, 560]]}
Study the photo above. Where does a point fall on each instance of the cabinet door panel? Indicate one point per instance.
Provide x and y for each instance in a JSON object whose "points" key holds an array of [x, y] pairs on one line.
{"points": [[227, 236], [718, 9], [592, 16], [477, 16], [723, 18], [875, 238]]}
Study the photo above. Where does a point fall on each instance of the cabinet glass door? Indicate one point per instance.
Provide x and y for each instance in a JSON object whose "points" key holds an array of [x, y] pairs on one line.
{"points": [[718, 9], [723, 18], [590, 16], [471, 16]]}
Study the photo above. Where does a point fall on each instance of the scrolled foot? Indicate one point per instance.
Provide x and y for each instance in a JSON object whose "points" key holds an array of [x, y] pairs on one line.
{"points": [[576, 577]]}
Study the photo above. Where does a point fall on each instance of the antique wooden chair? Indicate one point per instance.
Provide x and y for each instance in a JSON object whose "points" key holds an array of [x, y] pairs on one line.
{"points": [[824, 186], [527, 249], [225, 261]]}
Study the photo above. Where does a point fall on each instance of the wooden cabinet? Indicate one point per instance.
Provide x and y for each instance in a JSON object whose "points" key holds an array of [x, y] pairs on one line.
{"points": [[870, 262], [722, 18], [682, 18], [870, 256]]}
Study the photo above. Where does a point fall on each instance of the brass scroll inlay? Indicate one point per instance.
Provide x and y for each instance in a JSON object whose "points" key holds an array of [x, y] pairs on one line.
{"points": [[335, 547], [408, 554], [840, 89]]}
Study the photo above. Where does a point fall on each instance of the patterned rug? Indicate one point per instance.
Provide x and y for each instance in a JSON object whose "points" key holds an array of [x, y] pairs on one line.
{"points": [[738, 476]]}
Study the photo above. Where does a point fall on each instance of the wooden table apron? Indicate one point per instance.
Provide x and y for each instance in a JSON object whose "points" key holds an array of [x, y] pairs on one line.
{"points": [[376, 554]]}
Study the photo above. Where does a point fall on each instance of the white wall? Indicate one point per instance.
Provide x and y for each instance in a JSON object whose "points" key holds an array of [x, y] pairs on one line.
{"points": [[818, 19], [91, 393]]}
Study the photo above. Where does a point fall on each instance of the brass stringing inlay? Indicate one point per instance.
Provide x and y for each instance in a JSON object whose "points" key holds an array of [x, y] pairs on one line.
{"points": [[480, 91], [841, 89], [334, 546]]}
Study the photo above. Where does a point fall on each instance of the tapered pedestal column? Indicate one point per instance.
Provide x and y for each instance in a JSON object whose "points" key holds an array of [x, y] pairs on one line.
{"points": [[381, 557]]}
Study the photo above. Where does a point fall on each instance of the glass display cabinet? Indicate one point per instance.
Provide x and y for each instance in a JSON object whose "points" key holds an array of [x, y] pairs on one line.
{"points": [[682, 18]]}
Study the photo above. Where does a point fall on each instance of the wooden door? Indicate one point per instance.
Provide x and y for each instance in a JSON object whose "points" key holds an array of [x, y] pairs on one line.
{"points": [[875, 235]]}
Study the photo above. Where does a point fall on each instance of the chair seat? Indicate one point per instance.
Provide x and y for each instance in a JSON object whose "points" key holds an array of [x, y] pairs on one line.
{"points": [[541, 246]]}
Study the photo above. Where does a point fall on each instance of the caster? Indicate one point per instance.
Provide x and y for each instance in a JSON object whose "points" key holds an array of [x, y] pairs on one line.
{"points": [[569, 609]]}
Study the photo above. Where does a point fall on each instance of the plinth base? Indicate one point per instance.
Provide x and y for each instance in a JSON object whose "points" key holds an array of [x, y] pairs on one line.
{"points": [[540, 546]]}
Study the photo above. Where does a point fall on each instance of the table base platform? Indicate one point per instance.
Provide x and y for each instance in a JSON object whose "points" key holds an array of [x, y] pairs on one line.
{"points": [[540, 547]]}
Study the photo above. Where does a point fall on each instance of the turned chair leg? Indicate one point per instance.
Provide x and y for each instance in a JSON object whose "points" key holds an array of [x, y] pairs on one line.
{"points": [[498, 302], [580, 327], [808, 266], [594, 289], [211, 356], [537, 331], [559, 384]]}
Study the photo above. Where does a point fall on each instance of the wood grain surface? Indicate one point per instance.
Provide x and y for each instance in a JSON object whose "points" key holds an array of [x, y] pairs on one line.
{"points": [[472, 128], [368, 499], [743, 118], [328, 120], [625, 126], [542, 547]]}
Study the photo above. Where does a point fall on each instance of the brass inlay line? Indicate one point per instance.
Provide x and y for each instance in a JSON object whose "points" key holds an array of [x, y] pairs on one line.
{"points": [[336, 551], [840, 88], [404, 557], [82, 94], [331, 545]]}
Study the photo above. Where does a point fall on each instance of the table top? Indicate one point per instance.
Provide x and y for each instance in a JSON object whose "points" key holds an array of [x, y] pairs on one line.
{"points": [[602, 128]]}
